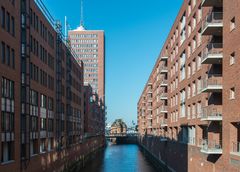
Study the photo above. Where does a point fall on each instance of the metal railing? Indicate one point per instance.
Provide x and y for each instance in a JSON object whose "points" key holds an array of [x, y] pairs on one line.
{"points": [[163, 95], [164, 81], [236, 147], [191, 140], [212, 49], [163, 68], [163, 108], [211, 145], [212, 18], [163, 122], [212, 80], [212, 111]]}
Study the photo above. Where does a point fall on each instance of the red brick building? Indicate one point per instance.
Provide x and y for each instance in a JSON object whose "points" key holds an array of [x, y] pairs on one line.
{"points": [[42, 92], [189, 109], [89, 46], [94, 113]]}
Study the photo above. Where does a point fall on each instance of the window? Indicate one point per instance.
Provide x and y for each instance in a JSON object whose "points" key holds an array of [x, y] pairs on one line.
{"points": [[3, 17], [232, 93], [8, 55], [232, 58], [42, 145], [189, 29], [193, 66], [199, 38], [7, 151], [189, 92], [199, 61], [43, 124], [34, 123], [43, 101], [189, 112], [194, 89], [193, 111], [199, 14], [189, 71], [199, 85], [232, 24], [7, 88], [13, 26], [194, 44], [3, 52], [13, 58], [193, 3], [194, 21], [199, 109], [50, 125], [189, 8], [50, 103], [8, 22]]}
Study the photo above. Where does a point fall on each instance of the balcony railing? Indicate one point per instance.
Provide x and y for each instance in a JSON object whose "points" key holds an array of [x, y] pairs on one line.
{"points": [[212, 113], [163, 109], [213, 53], [149, 117], [163, 69], [164, 58], [163, 83], [163, 96], [212, 3], [163, 123], [211, 146], [213, 24], [191, 140], [236, 148], [212, 84]]}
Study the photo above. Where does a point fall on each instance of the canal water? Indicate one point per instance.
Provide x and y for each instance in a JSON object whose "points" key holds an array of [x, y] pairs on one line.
{"points": [[119, 158]]}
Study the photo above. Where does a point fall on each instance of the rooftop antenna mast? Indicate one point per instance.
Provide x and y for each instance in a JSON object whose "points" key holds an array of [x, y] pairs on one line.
{"points": [[81, 20]]}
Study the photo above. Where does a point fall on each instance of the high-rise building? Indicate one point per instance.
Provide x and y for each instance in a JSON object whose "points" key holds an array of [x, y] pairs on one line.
{"points": [[90, 49], [188, 113]]}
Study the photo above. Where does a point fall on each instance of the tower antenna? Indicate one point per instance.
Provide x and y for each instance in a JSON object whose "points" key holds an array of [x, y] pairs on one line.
{"points": [[82, 20]]}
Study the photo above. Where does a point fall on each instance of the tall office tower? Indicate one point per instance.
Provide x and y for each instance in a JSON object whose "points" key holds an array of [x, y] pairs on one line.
{"points": [[89, 48]]}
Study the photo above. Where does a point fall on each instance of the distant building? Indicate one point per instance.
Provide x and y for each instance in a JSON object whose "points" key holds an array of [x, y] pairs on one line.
{"points": [[118, 127], [90, 48], [94, 113]]}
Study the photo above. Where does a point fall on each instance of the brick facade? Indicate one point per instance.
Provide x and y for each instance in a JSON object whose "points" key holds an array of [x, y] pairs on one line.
{"points": [[189, 104]]}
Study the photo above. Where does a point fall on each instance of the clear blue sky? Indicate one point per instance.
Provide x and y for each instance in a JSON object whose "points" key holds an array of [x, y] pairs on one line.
{"points": [[135, 32]]}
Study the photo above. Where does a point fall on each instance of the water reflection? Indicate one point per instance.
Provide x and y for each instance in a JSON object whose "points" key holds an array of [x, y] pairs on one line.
{"points": [[119, 158]]}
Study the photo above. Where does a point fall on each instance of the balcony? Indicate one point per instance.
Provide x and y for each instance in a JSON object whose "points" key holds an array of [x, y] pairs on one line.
{"points": [[212, 3], [163, 123], [163, 96], [163, 83], [211, 147], [163, 70], [213, 54], [164, 58], [212, 113], [213, 24], [212, 84], [163, 109]]}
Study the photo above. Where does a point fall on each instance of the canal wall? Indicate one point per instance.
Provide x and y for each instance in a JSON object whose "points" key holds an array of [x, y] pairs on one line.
{"points": [[86, 153], [162, 154]]}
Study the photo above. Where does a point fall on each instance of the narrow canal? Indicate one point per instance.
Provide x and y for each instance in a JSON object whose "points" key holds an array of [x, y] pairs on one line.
{"points": [[119, 158]]}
